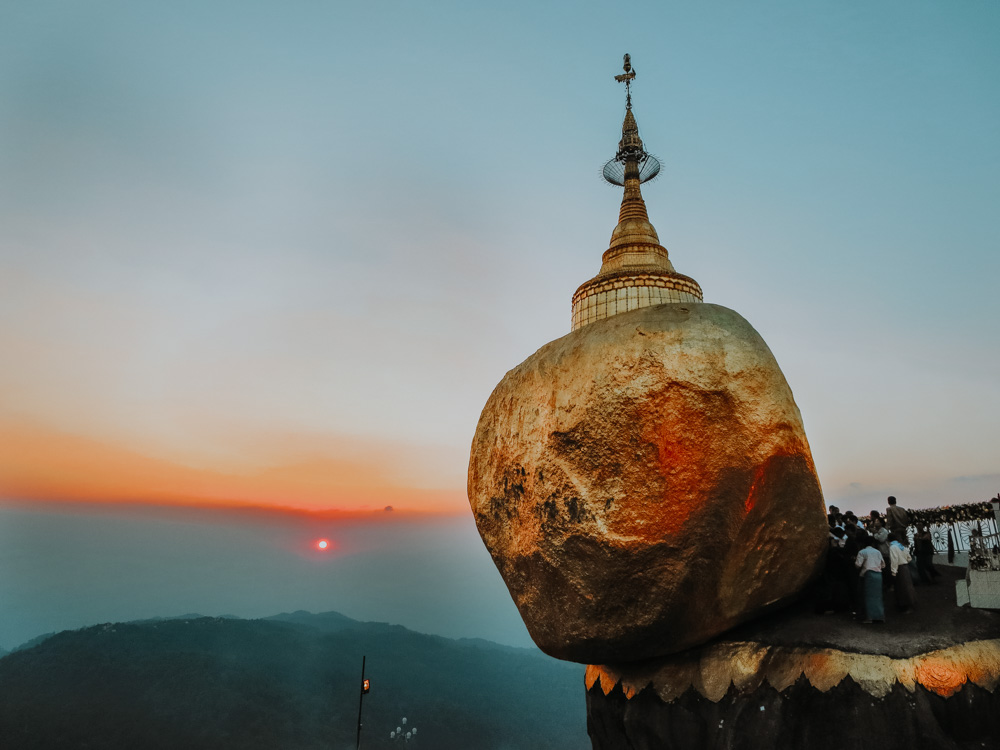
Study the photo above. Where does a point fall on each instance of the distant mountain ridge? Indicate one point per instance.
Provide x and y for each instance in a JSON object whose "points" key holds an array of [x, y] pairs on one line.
{"points": [[334, 621], [326, 621], [286, 681]]}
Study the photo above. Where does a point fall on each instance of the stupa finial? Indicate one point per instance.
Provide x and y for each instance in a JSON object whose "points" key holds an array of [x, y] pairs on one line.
{"points": [[632, 160], [627, 77]]}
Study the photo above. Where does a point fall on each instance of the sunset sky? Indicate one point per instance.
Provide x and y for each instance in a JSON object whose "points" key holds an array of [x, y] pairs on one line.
{"points": [[279, 254]]}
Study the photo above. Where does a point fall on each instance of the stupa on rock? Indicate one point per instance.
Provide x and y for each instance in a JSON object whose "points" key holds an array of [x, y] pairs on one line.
{"points": [[644, 482], [636, 270]]}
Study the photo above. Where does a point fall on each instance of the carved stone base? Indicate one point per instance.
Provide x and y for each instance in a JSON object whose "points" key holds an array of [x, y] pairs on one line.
{"points": [[796, 679], [841, 718]]}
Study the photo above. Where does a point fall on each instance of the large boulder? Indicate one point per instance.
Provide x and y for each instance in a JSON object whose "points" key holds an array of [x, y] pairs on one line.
{"points": [[644, 483]]}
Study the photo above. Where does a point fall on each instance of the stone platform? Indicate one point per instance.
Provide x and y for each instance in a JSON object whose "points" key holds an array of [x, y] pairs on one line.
{"points": [[796, 679], [981, 589]]}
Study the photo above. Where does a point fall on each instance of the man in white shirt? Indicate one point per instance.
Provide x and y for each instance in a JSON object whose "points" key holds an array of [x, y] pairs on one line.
{"points": [[871, 563]]}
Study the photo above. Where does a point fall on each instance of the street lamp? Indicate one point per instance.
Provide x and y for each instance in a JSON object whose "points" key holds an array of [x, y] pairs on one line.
{"points": [[402, 734], [366, 686]]}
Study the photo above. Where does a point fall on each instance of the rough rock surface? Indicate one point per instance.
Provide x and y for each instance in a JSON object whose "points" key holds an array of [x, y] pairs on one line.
{"points": [[644, 483]]}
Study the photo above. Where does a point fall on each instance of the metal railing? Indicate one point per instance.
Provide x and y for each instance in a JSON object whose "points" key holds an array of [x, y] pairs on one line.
{"points": [[961, 533]]}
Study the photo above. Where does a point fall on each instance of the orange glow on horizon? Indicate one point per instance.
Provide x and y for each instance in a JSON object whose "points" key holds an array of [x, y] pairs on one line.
{"points": [[37, 463]]}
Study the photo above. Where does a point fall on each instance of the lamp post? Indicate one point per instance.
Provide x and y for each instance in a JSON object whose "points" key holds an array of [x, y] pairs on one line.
{"points": [[365, 687], [402, 734]]}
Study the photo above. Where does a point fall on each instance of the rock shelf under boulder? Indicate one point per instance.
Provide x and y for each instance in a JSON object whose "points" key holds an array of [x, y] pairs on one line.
{"points": [[796, 679]]}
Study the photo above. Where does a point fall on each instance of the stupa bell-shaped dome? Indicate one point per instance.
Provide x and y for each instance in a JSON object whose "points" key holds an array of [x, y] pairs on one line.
{"points": [[636, 270]]}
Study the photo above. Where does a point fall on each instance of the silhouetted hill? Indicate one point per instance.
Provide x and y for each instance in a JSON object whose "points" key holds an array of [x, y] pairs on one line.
{"points": [[327, 621], [290, 681], [33, 642]]}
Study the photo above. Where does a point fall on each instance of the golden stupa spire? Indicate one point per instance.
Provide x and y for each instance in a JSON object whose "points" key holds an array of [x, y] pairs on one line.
{"points": [[633, 221], [636, 270]]}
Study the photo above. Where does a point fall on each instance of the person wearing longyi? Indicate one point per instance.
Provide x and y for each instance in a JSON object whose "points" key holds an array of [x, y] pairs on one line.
{"points": [[871, 563]]}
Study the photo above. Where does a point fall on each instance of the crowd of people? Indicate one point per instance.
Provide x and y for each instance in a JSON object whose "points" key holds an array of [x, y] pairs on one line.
{"points": [[872, 556]]}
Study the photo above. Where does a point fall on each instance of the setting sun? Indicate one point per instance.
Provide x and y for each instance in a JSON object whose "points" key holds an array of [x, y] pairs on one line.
{"points": [[322, 544]]}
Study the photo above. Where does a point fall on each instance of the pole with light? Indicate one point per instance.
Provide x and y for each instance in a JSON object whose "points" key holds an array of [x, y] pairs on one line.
{"points": [[365, 687]]}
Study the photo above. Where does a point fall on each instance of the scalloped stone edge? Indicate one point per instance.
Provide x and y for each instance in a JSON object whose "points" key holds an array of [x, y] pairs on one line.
{"points": [[746, 665]]}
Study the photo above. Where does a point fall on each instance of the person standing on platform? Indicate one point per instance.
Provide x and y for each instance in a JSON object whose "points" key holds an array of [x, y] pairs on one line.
{"points": [[902, 581], [897, 519], [880, 534], [870, 563], [925, 555], [852, 546]]}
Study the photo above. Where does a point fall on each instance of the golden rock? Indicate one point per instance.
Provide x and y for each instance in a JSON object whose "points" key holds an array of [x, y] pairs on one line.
{"points": [[644, 483]]}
